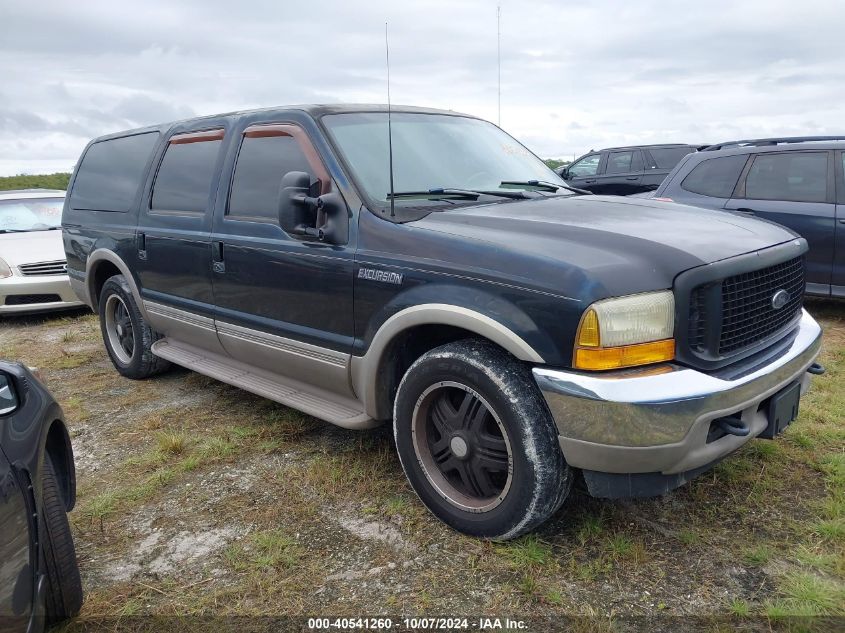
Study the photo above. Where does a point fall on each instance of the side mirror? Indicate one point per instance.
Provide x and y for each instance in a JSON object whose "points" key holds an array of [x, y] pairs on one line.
{"points": [[325, 217], [564, 173], [8, 396]]}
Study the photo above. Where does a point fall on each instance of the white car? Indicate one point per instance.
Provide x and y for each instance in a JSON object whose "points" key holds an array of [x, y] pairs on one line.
{"points": [[33, 269]]}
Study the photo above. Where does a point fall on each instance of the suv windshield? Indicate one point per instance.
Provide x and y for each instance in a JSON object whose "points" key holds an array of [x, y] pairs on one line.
{"points": [[433, 152], [32, 214]]}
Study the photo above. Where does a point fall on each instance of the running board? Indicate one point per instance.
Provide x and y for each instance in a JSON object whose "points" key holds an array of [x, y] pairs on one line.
{"points": [[320, 403]]}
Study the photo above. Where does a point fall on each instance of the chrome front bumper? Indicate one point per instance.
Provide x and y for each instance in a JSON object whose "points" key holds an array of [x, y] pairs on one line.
{"points": [[17, 285], [645, 421]]}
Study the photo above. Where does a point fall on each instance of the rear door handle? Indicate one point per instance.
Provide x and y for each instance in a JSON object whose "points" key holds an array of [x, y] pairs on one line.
{"points": [[746, 211], [218, 264], [632, 178]]}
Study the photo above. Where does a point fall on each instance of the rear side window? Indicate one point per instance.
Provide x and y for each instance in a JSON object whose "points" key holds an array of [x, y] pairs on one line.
{"points": [[623, 162], [793, 176], [183, 182], [715, 177], [262, 162], [110, 173], [668, 157], [619, 163]]}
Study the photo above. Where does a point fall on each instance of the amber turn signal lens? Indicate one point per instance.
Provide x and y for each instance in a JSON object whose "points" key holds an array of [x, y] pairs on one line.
{"points": [[588, 332], [625, 355]]}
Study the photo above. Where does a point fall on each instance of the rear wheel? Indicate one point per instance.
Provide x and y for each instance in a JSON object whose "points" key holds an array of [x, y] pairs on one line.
{"points": [[477, 442], [58, 557], [126, 334]]}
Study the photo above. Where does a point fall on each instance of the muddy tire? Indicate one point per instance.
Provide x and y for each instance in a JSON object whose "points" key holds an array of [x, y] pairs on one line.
{"points": [[477, 442], [58, 557], [127, 336]]}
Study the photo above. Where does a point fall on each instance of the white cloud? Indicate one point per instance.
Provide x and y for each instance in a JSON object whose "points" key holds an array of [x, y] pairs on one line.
{"points": [[574, 77]]}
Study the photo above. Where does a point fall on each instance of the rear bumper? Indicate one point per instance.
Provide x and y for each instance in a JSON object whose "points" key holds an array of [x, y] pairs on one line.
{"points": [[32, 287], [645, 421]]}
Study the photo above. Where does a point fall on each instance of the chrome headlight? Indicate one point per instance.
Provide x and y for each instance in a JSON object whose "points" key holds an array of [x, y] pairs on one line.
{"points": [[626, 331], [5, 270]]}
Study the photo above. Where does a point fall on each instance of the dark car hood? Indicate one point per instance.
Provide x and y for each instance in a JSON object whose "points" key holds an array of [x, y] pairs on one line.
{"points": [[617, 245]]}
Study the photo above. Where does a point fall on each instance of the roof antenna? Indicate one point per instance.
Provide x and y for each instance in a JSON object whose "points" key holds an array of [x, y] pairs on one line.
{"points": [[499, 57], [389, 127]]}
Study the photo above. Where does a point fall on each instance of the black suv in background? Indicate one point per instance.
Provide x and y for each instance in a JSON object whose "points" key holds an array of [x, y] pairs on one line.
{"points": [[621, 171], [797, 182]]}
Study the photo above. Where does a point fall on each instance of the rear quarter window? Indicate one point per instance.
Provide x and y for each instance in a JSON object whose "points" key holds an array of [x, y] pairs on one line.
{"points": [[668, 157], [110, 173], [715, 177]]}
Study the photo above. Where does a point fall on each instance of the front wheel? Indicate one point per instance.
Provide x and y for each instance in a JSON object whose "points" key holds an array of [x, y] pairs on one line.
{"points": [[477, 442], [127, 336]]}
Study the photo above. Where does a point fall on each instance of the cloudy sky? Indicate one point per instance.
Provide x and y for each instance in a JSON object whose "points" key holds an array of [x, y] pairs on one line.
{"points": [[574, 75]]}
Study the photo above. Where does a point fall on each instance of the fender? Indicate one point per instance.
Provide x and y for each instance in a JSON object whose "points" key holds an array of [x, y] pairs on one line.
{"points": [[364, 369], [104, 254]]}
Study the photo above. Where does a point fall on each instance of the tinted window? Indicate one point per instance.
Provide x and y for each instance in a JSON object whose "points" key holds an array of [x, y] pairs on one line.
{"points": [[262, 162], [715, 176], [183, 182], [795, 176], [586, 166], [668, 157], [619, 163], [110, 173]]}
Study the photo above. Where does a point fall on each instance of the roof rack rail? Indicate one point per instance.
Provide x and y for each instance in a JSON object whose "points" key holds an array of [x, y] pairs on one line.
{"points": [[761, 142], [646, 146]]}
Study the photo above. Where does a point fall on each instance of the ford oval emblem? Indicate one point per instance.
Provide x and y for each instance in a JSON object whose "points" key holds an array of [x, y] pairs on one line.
{"points": [[780, 299]]}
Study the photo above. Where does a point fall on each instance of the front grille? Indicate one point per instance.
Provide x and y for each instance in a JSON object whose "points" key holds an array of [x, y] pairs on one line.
{"points": [[25, 300], [44, 268], [728, 317]]}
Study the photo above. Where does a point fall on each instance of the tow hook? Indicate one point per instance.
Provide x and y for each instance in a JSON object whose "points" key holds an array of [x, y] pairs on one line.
{"points": [[733, 425], [816, 369]]}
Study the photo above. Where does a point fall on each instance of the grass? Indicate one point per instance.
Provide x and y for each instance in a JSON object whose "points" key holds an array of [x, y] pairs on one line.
{"points": [[806, 594], [526, 552], [759, 555]]}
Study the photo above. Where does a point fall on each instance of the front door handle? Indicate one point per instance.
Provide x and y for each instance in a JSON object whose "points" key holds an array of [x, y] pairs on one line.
{"points": [[746, 211], [590, 181], [142, 246], [632, 178], [218, 264]]}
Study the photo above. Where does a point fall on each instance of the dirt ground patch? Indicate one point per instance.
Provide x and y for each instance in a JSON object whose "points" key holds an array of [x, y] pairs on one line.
{"points": [[198, 498]]}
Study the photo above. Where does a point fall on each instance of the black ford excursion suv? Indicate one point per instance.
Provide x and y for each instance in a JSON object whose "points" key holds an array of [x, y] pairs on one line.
{"points": [[514, 330]]}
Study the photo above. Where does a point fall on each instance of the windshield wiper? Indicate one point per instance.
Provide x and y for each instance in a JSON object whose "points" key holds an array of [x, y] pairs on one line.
{"points": [[433, 194], [542, 185], [15, 230], [461, 194]]}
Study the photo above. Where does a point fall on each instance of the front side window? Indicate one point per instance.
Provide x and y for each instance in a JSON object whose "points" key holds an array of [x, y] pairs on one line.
{"points": [[109, 176], [262, 162], [715, 177], [34, 214], [183, 183], [793, 176], [432, 151], [587, 166]]}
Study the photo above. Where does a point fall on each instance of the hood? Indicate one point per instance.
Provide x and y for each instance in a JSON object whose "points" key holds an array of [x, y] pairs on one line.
{"points": [[614, 245], [31, 247]]}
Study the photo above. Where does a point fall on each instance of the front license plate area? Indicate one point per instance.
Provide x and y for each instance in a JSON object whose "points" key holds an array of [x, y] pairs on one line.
{"points": [[783, 409]]}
